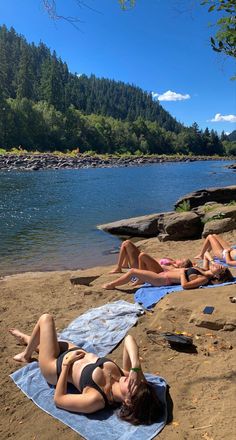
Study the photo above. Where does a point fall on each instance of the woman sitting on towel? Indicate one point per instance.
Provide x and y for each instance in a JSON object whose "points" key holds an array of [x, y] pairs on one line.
{"points": [[220, 249], [190, 278], [101, 383], [130, 256]]}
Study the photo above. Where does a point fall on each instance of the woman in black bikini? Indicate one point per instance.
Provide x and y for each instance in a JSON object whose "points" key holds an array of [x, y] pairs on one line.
{"points": [[100, 381], [190, 278]]}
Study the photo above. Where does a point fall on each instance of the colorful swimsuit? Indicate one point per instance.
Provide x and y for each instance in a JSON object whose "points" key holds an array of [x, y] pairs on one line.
{"points": [[224, 253]]}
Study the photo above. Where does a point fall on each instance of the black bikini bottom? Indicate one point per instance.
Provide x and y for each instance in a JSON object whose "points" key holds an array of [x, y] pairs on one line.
{"points": [[60, 359]]}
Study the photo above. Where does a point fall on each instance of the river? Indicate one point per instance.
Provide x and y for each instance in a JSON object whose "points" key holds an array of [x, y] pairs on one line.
{"points": [[48, 218]]}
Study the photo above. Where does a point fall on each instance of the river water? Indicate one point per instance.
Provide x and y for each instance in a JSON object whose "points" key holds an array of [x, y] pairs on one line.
{"points": [[48, 218]]}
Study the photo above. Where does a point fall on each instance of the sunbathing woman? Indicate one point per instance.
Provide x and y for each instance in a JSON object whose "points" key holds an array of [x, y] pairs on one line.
{"points": [[220, 249], [190, 278], [130, 256], [100, 381]]}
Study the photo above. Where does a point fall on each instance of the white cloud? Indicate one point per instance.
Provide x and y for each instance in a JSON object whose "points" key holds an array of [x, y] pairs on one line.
{"points": [[170, 96], [155, 95], [223, 118]]}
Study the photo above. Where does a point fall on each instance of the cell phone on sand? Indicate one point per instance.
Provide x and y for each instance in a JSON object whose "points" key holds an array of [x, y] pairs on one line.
{"points": [[208, 310]]}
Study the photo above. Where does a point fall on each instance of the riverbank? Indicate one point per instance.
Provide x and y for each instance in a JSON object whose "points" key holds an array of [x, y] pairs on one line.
{"points": [[201, 384], [41, 161]]}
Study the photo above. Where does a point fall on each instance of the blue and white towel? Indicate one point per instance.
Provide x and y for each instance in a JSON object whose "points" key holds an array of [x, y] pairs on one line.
{"points": [[104, 327], [149, 295]]}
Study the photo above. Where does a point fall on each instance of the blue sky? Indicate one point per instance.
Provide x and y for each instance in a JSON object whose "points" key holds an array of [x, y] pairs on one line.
{"points": [[161, 46]]}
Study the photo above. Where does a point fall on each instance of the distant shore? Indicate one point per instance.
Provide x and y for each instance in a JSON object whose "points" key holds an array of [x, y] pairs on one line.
{"points": [[43, 161]]}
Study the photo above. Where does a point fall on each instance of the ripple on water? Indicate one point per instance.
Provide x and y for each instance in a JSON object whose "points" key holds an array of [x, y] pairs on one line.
{"points": [[48, 219]]}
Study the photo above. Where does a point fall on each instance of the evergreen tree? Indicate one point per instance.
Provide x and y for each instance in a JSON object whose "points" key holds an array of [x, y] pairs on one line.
{"points": [[25, 75], [43, 106]]}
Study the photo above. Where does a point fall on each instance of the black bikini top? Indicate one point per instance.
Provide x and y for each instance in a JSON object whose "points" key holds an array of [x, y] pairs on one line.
{"points": [[191, 271], [86, 379]]}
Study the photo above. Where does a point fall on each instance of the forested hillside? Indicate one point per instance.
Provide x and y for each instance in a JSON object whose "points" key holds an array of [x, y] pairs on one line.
{"points": [[45, 107]]}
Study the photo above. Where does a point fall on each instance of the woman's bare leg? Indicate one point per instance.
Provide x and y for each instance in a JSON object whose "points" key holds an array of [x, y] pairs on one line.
{"points": [[148, 263], [143, 275], [221, 241], [211, 244], [44, 334], [128, 255]]}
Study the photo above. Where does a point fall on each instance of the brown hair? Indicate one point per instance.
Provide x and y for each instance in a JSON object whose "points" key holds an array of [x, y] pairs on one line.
{"points": [[187, 263], [145, 407], [225, 276]]}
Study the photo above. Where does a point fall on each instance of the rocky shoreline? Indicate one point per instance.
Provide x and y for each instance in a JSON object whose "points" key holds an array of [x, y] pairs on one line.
{"points": [[50, 161], [198, 214]]}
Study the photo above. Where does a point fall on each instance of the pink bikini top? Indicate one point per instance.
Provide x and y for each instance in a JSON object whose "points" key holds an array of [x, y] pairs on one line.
{"points": [[164, 261]]}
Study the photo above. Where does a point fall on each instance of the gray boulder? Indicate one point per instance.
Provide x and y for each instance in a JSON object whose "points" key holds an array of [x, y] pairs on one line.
{"points": [[219, 226], [208, 207], [179, 226], [144, 226], [219, 220], [220, 212], [202, 196]]}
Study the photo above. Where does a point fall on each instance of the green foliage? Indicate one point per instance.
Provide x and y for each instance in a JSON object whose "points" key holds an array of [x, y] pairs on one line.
{"points": [[17, 151], [125, 4], [209, 208], [232, 203], [45, 108], [218, 216], [184, 206], [230, 148], [225, 38]]}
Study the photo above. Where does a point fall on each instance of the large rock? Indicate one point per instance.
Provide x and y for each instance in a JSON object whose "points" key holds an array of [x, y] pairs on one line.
{"points": [[219, 220], [221, 195], [220, 212], [208, 207], [179, 226], [144, 226], [186, 225], [219, 226], [211, 322]]}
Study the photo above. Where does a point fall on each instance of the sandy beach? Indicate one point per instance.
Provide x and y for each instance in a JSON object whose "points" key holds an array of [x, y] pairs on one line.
{"points": [[202, 384]]}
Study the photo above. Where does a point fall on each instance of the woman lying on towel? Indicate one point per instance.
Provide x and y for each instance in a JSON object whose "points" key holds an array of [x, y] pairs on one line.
{"points": [[190, 278], [220, 249], [130, 256], [101, 383]]}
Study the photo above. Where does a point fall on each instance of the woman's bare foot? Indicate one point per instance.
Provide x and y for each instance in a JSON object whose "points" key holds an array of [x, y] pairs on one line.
{"points": [[21, 338], [21, 357], [108, 286], [116, 270], [198, 257]]}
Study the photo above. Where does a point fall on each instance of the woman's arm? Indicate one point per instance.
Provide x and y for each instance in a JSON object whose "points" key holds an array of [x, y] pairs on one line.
{"points": [[130, 354], [85, 403], [194, 284], [131, 363], [207, 259]]}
